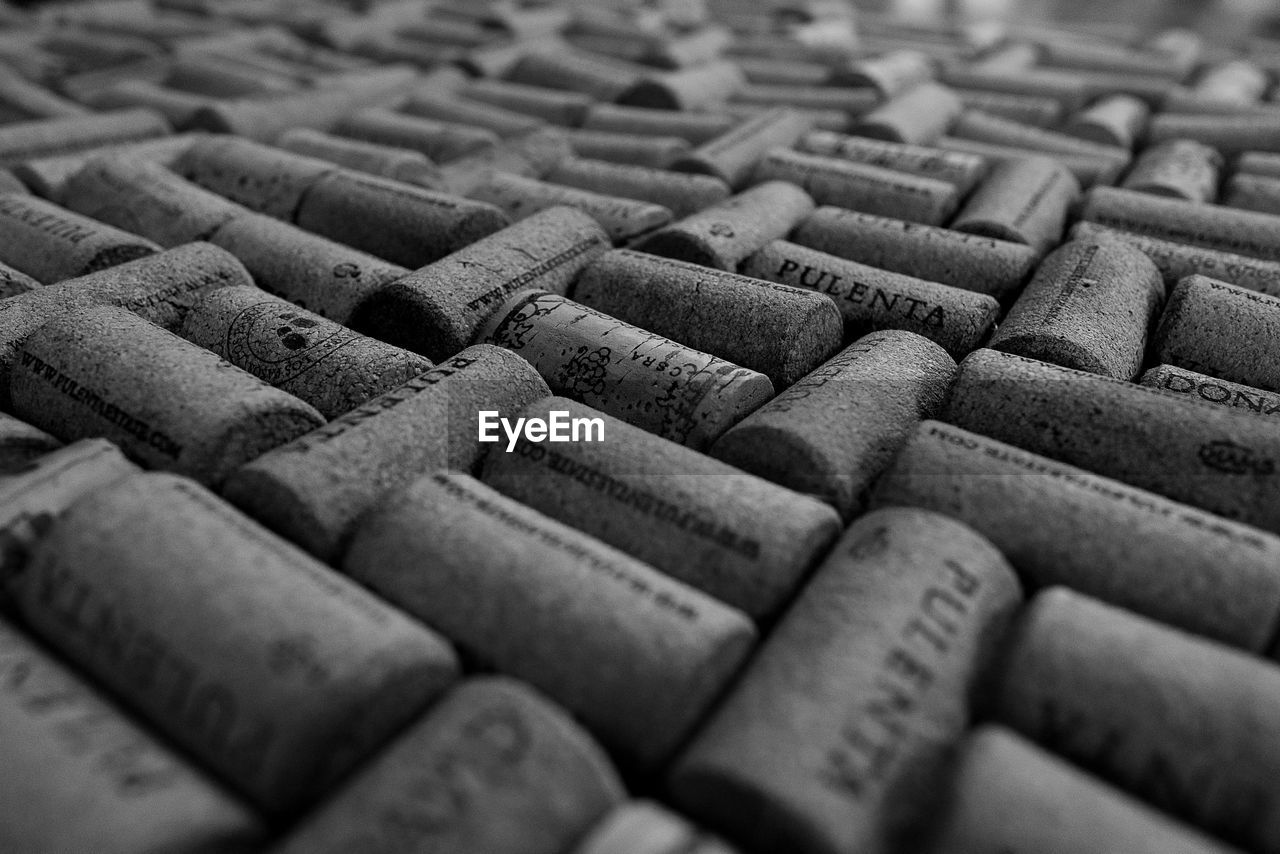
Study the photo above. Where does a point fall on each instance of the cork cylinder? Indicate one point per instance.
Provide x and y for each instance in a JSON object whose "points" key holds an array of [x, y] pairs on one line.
{"points": [[518, 197], [439, 141], [1062, 86], [723, 235], [399, 164], [1237, 80], [832, 433], [655, 152], [981, 127], [657, 384], [841, 101], [492, 767], [316, 360], [1226, 394], [780, 331], [1024, 200], [1182, 723], [575, 71], [312, 490], [1259, 163], [688, 89], [21, 141], [971, 262], [1168, 561], [50, 243], [259, 177], [732, 156], [317, 674], [1006, 794], [696, 128], [20, 443], [1088, 169], [872, 299], [893, 634], [1252, 193], [178, 107], [450, 108], [550, 105], [1221, 330], [1180, 169], [681, 194], [857, 186], [1229, 134], [1089, 307], [644, 827], [1223, 462], [960, 170], [1026, 109], [743, 540], [14, 282], [439, 309], [635, 655], [918, 115], [47, 177], [1117, 120], [890, 73], [81, 776]]}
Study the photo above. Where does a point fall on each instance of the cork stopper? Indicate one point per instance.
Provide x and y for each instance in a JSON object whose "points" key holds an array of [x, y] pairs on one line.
{"points": [[1117, 120], [645, 827], [399, 164], [21, 141], [1224, 393], [439, 141], [962, 171], [732, 156], [919, 115], [695, 128], [1181, 169], [682, 194], [1025, 200], [50, 243], [622, 219]]}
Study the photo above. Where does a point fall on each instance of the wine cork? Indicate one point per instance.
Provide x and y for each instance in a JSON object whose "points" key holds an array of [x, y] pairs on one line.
{"points": [[439, 141], [47, 176], [1180, 169], [834, 431], [448, 108], [400, 164], [1006, 794], [1180, 722], [695, 88], [46, 137], [971, 262], [1229, 134], [1065, 87], [871, 299], [657, 152], [723, 235], [1117, 120], [50, 243], [261, 178], [81, 776], [891, 73], [844, 100], [982, 127], [1184, 45], [222, 77], [855, 186], [550, 105], [23, 100], [732, 156], [644, 827], [1208, 226], [739, 538], [14, 282], [1258, 163], [1252, 193], [318, 672], [1091, 55], [1169, 561], [780, 331], [439, 309], [695, 128], [178, 107], [575, 71], [962, 171], [919, 115], [1027, 109], [21, 443], [691, 48], [681, 194], [1238, 80], [1223, 462], [312, 490], [893, 633], [492, 767], [1088, 170], [670, 649], [1023, 201], [1211, 389], [1182, 100], [622, 219], [1154, 89], [784, 72]]}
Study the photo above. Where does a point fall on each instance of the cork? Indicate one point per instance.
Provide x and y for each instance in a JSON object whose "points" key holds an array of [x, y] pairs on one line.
{"points": [[919, 115], [695, 88], [645, 827], [1223, 462], [575, 71], [1209, 226], [982, 127], [732, 156], [1221, 330], [448, 108], [1154, 89], [1027, 109], [622, 219], [739, 538], [14, 282], [47, 176], [1067, 88], [222, 77], [845, 100], [492, 767], [550, 105], [318, 673], [890, 74], [1169, 561], [1184, 45], [1224, 393], [1183, 100], [1116, 120], [47, 137], [1237, 80], [971, 262], [1229, 134], [780, 331], [656, 152], [893, 634], [438, 309], [1252, 193], [399, 164], [1089, 307], [697, 128], [82, 776], [1089, 170], [784, 72], [693, 47], [178, 107], [21, 443], [723, 235], [50, 243], [1258, 163], [962, 171], [439, 141], [531, 155], [1108, 56], [23, 100], [1179, 722], [1180, 169], [313, 490], [871, 299], [834, 180], [1006, 794], [1008, 57], [681, 194], [259, 177], [10, 183], [1024, 200], [670, 650]]}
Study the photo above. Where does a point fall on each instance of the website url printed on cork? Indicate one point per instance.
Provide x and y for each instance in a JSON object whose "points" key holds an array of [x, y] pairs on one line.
{"points": [[557, 427]]}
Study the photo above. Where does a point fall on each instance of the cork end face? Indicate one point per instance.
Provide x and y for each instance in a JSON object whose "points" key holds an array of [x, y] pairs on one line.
{"points": [[404, 315], [735, 397], [274, 503], [818, 338]]}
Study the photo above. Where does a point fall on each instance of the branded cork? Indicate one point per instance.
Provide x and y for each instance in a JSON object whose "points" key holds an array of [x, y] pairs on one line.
{"points": [[622, 219], [50, 243], [1252, 193], [576, 71], [550, 105], [982, 127], [842, 100], [856, 186], [1224, 393], [317, 674], [890, 74], [1117, 120], [682, 194], [449, 108], [1224, 462], [492, 767], [1006, 794], [644, 827], [1229, 134], [440, 141], [1027, 109], [1180, 169], [1180, 722], [732, 156], [893, 634], [47, 137], [743, 540], [919, 115], [697, 128], [695, 88], [1088, 169], [400, 164], [656, 152], [871, 299], [968, 261], [438, 309], [962, 171], [20, 443], [1025, 200], [780, 331], [460, 556], [312, 490]]}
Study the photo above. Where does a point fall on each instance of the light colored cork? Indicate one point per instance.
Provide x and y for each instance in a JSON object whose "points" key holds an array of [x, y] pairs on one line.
{"points": [[739, 538], [1088, 170], [1237, 80], [576, 71], [891, 73], [440, 141], [784, 72], [1252, 193], [400, 164], [1027, 109], [1117, 120], [645, 827], [48, 137], [698, 87], [1229, 134], [1180, 169], [657, 152], [317, 674], [682, 194], [448, 108], [670, 650], [492, 767], [962, 171], [893, 635], [1224, 393], [1023, 200], [622, 219], [919, 115], [697, 128], [50, 243], [732, 156]]}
